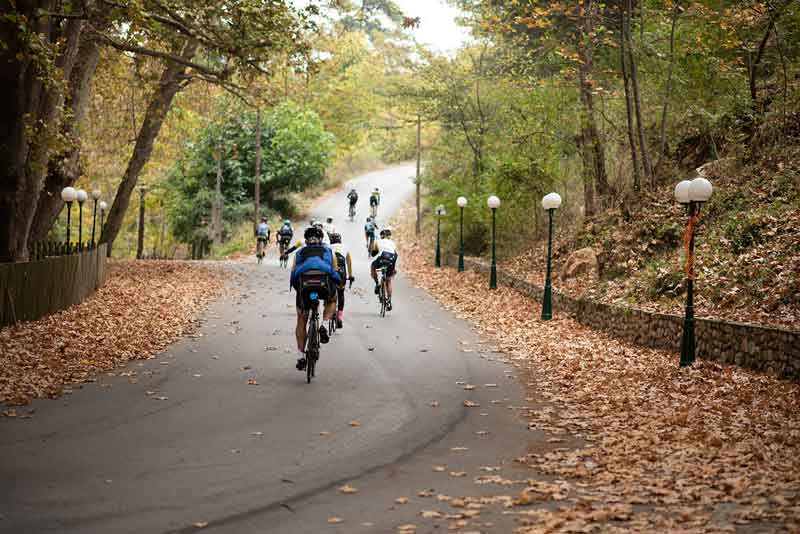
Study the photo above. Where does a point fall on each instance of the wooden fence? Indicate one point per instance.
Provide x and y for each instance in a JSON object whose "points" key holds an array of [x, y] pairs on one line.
{"points": [[30, 290]]}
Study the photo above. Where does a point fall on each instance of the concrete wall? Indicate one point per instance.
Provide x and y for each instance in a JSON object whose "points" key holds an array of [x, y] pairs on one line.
{"points": [[764, 348]]}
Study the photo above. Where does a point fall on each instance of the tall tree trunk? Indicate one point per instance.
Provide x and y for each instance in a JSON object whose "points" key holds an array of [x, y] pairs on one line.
{"points": [[592, 144], [172, 80], [65, 168], [662, 144], [637, 100], [31, 115], [623, 59], [257, 187]]}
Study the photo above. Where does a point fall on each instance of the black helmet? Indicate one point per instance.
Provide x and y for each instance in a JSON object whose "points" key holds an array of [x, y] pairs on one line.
{"points": [[335, 238], [313, 232], [263, 219], [386, 232]]}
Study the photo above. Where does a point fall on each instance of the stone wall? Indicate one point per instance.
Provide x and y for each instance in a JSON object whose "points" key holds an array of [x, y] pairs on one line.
{"points": [[764, 348]]}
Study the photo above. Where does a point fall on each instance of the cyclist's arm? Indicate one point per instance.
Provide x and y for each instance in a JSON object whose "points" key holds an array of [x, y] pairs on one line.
{"points": [[349, 264], [293, 248]]}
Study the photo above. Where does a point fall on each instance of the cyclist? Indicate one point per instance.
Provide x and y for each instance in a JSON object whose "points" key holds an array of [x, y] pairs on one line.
{"points": [[369, 231], [352, 198], [262, 237], [345, 263], [284, 236], [385, 253], [326, 239], [374, 201], [313, 256], [328, 226]]}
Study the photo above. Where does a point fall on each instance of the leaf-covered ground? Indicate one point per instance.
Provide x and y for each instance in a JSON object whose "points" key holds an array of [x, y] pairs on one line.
{"points": [[748, 248], [710, 448], [143, 307]]}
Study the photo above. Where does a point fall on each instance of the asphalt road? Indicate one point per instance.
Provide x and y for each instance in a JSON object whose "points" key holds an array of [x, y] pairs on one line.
{"points": [[192, 441]]}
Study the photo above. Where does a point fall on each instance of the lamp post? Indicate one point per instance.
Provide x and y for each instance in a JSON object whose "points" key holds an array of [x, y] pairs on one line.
{"points": [[95, 196], [462, 203], [493, 202], [551, 202], [439, 212], [692, 194], [140, 239], [82, 196], [103, 207], [68, 195]]}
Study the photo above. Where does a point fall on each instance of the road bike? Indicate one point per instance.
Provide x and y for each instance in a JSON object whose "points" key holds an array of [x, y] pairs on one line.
{"points": [[383, 290], [283, 260], [314, 287], [260, 246], [352, 212]]}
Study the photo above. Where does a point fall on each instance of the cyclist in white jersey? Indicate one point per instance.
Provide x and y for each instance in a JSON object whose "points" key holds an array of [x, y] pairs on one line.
{"points": [[385, 253]]}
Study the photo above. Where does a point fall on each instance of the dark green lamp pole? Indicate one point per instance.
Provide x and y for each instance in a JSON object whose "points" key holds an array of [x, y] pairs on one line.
{"points": [[551, 202], [693, 194], [493, 202], [462, 203], [96, 197], [82, 196], [103, 208], [439, 212], [68, 195]]}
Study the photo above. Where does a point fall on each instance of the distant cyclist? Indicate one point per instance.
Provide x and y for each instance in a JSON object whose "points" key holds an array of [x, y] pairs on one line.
{"points": [[262, 237], [345, 264], [374, 202], [284, 235], [313, 255], [370, 229], [352, 199], [328, 226], [385, 253]]}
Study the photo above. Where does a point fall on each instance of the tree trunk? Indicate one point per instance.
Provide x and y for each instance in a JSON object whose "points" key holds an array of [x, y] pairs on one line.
{"points": [[64, 169], [662, 144], [31, 115], [637, 178], [217, 214], [593, 147], [257, 191], [637, 100], [171, 82]]}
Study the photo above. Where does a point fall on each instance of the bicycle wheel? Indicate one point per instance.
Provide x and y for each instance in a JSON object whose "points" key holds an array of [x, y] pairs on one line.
{"points": [[382, 296], [312, 344]]}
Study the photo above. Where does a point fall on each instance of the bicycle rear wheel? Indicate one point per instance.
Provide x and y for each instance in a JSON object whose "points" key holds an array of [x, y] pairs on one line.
{"points": [[312, 344], [383, 296]]}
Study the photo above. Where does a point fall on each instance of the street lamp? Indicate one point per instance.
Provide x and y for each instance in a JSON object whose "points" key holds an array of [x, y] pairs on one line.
{"points": [[81, 196], [551, 202], [692, 194], [493, 202], [103, 207], [68, 195], [96, 196], [462, 203], [439, 212]]}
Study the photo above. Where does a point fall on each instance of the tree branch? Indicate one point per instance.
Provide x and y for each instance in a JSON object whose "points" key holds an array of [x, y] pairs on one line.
{"points": [[222, 75]]}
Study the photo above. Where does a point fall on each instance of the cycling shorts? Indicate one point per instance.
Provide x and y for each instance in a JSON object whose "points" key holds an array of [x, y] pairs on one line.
{"points": [[388, 260]]}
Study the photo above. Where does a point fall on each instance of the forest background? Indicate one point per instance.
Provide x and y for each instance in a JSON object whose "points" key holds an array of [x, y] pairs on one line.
{"points": [[610, 104]]}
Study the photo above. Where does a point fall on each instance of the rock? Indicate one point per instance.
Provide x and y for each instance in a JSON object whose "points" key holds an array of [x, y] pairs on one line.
{"points": [[581, 262]]}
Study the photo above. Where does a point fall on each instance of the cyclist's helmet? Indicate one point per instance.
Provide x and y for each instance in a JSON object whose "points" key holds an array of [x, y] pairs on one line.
{"points": [[263, 219], [317, 224], [369, 219], [335, 238], [287, 222], [375, 190], [386, 232], [313, 234], [329, 220]]}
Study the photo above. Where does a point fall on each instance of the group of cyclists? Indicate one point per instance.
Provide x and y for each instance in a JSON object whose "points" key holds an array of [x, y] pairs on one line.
{"points": [[321, 251]]}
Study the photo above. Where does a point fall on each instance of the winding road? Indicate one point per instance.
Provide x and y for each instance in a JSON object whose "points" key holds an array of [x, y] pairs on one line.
{"points": [[192, 442]]}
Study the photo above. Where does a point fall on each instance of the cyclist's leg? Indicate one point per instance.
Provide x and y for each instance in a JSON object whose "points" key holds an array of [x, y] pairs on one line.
{"points": [[300, 327]]}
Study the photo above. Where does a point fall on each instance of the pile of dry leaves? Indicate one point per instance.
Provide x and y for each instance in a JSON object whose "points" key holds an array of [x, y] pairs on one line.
{"points": [[706, 448], [143, 307]]}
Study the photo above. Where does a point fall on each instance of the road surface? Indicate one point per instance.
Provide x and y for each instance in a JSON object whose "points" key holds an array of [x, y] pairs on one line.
{"points": [[191, 441]]}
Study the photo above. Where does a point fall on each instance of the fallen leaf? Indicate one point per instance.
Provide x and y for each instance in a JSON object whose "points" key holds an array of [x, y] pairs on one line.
{"points": [[401, 500], [200, 524], [347, 489], [355, 423], [335, 520], [471, 404]]}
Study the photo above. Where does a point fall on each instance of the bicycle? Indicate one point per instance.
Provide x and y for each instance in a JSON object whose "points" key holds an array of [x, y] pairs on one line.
{"points": [[383, 290], [313, 285], [260, 250], [352, 212], [283, 260]]}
